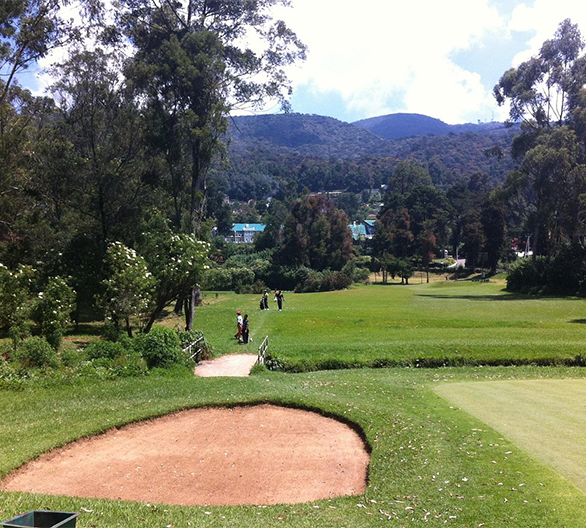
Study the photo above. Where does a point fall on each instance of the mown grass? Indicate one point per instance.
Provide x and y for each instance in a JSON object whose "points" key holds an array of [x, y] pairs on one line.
{"points": [[545, 417], [469, 323], [431, 464]]}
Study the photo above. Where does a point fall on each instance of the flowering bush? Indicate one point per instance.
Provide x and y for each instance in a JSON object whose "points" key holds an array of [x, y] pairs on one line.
{"points": [[53, 310], [129, 288], [15, 300], [178, 261]]}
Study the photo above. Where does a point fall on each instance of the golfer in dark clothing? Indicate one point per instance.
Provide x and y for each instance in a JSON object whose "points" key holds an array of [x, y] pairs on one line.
{"points": [[245, 329], [279, 298]]}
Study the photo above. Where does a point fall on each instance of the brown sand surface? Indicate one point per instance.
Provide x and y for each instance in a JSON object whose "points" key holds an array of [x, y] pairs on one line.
{"points": [[232, 365], [262, 454]]}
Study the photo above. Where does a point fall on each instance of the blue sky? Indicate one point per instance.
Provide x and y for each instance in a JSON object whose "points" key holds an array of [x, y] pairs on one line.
{"points": [[435, 57]]}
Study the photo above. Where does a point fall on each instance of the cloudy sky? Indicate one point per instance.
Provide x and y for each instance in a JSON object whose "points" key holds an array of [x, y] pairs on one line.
{"points": [[435, 57]]}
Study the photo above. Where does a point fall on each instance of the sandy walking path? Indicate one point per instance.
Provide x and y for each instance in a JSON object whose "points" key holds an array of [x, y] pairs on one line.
{"points": [[231, 365]]}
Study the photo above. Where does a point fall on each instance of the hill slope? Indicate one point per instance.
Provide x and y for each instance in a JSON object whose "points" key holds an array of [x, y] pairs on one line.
{"points": [[397, 126], [304, 134], [271, 152]]}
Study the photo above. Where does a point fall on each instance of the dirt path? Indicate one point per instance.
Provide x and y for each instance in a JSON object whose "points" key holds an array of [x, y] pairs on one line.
{"points": [[244, 455], [232, 365]]}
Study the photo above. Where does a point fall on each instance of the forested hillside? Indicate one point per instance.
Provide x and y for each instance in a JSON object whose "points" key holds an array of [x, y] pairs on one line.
{"points": [[401, 125], [269, 153]]}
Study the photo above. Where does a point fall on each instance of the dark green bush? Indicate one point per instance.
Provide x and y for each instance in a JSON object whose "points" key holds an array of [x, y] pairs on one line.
{"points": [[562, 274], [228, 278], [355, 272], [104, 349], [129, 363], [326, 280], [272, 362], [36, 352], [161, 347]]}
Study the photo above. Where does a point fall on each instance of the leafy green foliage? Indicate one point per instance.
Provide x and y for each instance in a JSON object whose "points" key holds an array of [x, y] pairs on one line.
{"points": [[562, 274], [316, 235], [104, 349], [15, 300], [176, 261], [36, 352], [326, 280], [161, 347], [129, 287], [204, 349], [53, 310]]}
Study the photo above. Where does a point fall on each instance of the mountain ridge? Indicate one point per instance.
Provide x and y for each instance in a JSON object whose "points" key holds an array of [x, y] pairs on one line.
{"points": [[402, 125]]}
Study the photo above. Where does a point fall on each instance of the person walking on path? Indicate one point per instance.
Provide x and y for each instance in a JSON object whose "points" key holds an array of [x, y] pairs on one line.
{"points": [[279, 298], [245, 329], [239, 322]]}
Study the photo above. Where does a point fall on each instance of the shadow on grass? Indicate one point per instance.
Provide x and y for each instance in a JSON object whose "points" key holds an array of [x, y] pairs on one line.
{"points": [[89, 329], [578, 321], [391, 284], [498, 297]]}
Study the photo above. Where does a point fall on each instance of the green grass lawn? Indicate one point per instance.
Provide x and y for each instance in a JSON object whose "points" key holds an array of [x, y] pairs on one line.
{"points": [[546, 418], [477, 321], [433, 463]]}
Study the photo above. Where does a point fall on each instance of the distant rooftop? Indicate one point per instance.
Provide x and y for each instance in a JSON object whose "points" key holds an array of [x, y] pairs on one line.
{"points": [[248, 227]]}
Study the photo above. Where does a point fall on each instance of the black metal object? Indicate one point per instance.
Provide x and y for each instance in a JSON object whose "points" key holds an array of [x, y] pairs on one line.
{"points": [[42, 519]]}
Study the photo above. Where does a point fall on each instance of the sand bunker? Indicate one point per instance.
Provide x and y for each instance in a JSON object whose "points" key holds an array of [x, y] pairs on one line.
{"points": [[245, 455]]}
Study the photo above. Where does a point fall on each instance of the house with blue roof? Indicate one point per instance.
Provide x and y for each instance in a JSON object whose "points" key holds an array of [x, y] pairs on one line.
{"points": [[363, 230], [358, 231], [244, 233]]}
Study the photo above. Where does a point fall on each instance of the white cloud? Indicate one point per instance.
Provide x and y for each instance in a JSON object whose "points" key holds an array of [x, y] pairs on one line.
{"points": [[543, 17], [385, 56]]}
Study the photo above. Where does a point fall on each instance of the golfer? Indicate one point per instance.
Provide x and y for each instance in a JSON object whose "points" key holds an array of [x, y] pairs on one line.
{"points": [[239, 326]]}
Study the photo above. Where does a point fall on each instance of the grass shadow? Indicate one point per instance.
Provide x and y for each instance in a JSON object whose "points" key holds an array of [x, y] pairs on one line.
{"points": [[89, 329], [390, 284], [495, 297]]}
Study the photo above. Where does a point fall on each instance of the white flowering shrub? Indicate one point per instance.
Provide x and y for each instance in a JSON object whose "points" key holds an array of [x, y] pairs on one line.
{"points": [[129, 288], [178, 262], [53, 310], [15, 300]]}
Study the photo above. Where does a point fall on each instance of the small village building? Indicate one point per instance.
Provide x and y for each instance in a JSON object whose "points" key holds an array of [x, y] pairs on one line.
{"points": [[244, 233]]}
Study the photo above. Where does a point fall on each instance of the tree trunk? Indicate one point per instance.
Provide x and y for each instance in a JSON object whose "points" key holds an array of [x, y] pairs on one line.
{"points": [[190, 310], [179, 305], [198, 297], [128, 327], [534, 255], [156, 313]]}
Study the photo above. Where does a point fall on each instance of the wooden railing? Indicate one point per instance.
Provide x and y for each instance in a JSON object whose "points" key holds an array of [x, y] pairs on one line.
{"points": [[262, 350]]}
